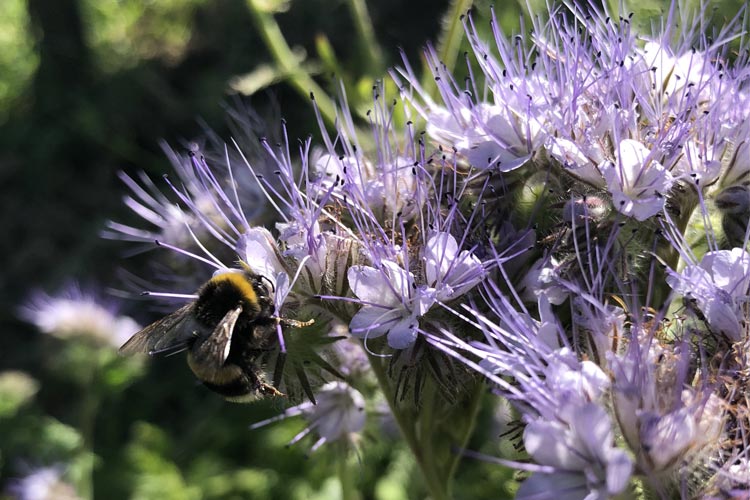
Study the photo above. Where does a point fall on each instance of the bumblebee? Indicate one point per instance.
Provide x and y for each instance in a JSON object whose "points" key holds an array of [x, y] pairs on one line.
{"points": [[225, 331]]}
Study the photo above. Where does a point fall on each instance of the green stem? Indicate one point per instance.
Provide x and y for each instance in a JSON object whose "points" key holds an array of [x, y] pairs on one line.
{"points": [[472, 409], [89, 407], [348, 489], [427, 429], [405, 421], [370, 47], [287, 61]]}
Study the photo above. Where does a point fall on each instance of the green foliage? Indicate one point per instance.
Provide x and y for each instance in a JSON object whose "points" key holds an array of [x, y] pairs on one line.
{"points": [[16, 389], [124, 33], [18, 60]]}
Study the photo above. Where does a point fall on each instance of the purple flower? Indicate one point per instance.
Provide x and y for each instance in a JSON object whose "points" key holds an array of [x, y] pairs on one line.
{"points": [[206, 194], [636, 182], [581, 453], [719, 285], [526, 235], [386, 189], [542, 279], [449, 272], [488, 135], [392, 303], [338, 416], [660, 417]]}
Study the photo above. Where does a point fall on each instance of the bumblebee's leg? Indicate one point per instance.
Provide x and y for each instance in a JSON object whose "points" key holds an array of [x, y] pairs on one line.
{"points": [[295, 323], [258, 384], [269, 390]]}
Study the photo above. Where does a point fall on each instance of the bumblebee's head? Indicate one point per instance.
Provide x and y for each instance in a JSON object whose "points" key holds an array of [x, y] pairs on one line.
{"points": [[227, 290]]}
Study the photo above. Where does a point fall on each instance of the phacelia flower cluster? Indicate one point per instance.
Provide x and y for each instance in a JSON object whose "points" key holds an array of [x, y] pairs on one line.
{"points": [[568, 225]]}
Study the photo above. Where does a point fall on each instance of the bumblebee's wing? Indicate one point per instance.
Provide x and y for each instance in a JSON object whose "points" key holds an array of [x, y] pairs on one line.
{"points": [[171, 333], [214, 349]]}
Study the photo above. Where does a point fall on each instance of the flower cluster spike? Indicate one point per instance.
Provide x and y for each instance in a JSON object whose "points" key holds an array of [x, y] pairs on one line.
{"points": [[570, 228]]}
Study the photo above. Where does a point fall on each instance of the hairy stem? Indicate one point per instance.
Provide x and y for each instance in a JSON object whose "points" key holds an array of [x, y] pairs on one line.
{"points": [[435, 482]]}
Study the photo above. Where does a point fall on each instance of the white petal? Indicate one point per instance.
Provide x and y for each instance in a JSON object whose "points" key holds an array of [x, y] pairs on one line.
{"points": [[466, 273], [400, 280], [372, 322], [423, 300], [575, 161], [439, 252], [282, 289], [728, 268], [593, 429], [667, 437], [260, 251], [595, 381], [453, 273], [404, 333], [374, 286], [557, 486], [548, 443], [722, 317], [619, 469], [637, 182]]}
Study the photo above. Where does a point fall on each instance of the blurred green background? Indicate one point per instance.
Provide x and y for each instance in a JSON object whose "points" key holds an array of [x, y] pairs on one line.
{"points": [[88, 88]]}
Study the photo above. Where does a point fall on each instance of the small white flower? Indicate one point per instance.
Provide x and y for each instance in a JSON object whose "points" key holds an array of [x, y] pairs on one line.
{"points": [[572, 157], [261, 253], [488, 135], [450, 272], [573, 383], [386, 188], [661, 421], [339, 412], [308, 246], [338, 415], [392, 302], [637, 182], [701, 165], [673, 75], [720, 285], [668, 437], [738, 153], [541, 279]]}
